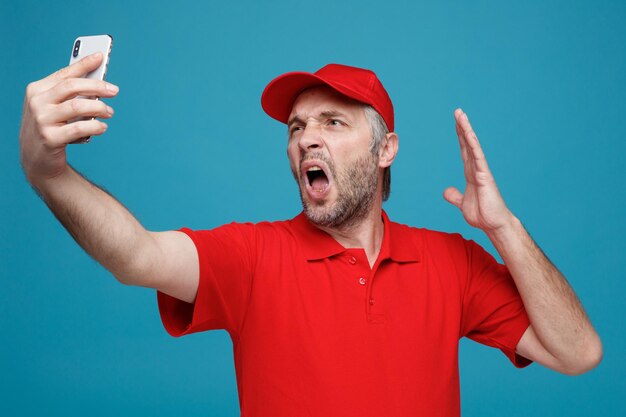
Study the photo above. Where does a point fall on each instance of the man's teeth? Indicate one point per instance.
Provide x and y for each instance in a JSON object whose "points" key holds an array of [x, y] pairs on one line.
{"points": [[315, 168]]}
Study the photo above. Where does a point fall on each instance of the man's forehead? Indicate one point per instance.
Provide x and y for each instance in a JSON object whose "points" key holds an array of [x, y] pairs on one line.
{"points": [[322, 99]]}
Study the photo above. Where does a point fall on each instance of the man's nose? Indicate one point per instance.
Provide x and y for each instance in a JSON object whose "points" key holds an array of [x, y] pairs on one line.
{"points": [[311, 137]]}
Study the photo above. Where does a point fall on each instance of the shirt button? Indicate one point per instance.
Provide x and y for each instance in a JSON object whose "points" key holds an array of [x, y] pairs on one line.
{"points": [[371, 301], [352, 260], [362, 281]]}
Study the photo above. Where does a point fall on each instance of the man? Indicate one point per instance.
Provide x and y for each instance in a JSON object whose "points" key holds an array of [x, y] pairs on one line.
{"points": [[339, 311]]}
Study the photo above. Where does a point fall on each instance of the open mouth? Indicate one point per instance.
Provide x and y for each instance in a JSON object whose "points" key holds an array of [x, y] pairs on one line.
{"points": [[317, 178]]}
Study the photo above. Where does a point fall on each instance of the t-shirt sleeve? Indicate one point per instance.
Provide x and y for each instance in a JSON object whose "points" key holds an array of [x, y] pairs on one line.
{"points": [[226, 261], [493, 312]]}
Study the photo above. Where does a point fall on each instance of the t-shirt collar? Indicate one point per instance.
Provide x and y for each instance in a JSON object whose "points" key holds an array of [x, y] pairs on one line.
{"points": [[398, 244]]}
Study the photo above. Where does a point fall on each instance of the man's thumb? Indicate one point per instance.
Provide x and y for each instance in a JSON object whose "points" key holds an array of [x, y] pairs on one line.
{"points": [[453, 196]]}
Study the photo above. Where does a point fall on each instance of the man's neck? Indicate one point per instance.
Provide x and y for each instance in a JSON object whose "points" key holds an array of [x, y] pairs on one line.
{"points": [[367, 234]]}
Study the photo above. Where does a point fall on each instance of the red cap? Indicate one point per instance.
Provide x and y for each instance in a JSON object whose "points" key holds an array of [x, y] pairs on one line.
{"points": [[357, 83]]}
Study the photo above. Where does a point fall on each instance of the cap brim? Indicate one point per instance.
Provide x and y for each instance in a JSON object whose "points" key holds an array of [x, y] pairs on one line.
{"points": [[280, 94]]}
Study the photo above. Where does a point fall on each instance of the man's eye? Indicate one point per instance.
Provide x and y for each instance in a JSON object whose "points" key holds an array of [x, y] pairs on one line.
{"points": [[335, 122], [295, 129]]}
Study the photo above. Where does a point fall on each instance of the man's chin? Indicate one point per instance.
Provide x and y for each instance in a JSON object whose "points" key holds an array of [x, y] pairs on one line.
{"points": [[317, 212], [325, 215], [322, 212]]}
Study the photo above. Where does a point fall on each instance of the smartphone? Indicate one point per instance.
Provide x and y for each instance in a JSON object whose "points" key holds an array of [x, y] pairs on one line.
{"points": [[87, 45]]}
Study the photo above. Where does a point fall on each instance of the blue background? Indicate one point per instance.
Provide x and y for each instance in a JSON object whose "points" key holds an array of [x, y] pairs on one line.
{"points": [[542, 82]]}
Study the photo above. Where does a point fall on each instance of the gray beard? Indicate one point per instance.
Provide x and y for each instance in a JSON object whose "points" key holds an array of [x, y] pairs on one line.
{"points": [[356, 189]]}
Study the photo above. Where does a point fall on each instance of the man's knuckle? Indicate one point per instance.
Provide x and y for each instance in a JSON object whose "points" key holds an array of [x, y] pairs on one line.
{"points": [[40, 118], [76, 129], [33, 104], [75, 106], [32, 89], [47, 135], [68, 84]]}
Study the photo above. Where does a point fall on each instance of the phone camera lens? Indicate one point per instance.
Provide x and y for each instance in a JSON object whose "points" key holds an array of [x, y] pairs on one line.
{"points": [[76, 49]]}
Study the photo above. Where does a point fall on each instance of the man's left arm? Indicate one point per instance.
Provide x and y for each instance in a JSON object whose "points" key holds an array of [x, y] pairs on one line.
{"points": [[560, 336]]}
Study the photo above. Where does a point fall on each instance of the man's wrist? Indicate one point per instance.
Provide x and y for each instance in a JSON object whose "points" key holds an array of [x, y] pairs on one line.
{"points": [[48, 185], [504, 235]]}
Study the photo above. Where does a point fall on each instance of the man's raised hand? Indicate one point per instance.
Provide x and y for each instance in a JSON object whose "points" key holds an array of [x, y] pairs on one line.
{"points": [[482, 205], [48, 105]]}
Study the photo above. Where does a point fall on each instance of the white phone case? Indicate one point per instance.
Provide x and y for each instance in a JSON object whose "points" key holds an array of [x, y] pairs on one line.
{"points": [[87, 45]]}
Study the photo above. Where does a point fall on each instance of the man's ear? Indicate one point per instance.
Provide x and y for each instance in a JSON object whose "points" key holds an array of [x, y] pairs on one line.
{"points": [[388, 150]]}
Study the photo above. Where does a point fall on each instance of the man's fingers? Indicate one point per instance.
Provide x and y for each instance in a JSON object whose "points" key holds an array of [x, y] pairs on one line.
{"points": [[473, 146], [78, 69], [77, 107], [474, 151], [60, 135], [453, 196], [462, 144], [72, 87], [65, 134]]}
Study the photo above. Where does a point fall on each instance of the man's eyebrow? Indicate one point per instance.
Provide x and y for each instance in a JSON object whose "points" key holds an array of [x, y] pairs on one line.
{"points": [[294, 119], [325, 114], [332, 113]]}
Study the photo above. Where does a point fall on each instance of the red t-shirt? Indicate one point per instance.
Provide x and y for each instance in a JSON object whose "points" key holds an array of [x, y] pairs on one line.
{"points": [[317, 332]]}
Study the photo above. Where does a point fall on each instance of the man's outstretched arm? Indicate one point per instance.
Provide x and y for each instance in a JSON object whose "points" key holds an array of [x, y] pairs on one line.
{"points": [[560, 337], [166, 261]]}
